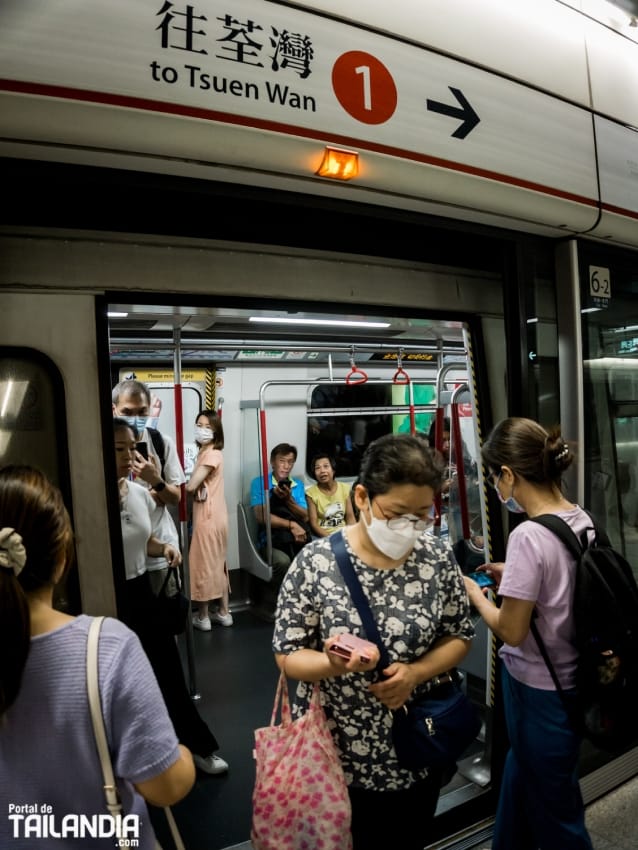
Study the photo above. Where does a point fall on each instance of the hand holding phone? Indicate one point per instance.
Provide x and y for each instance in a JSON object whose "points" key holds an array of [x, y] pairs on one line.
{"points": [[142, 448], [346, 645], [482, 578]]}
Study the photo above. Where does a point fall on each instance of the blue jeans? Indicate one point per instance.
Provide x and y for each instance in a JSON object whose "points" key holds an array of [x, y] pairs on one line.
{"points": [[540, 805]]}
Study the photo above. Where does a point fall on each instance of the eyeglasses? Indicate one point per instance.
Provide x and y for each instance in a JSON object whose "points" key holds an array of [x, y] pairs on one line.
{"points": [[492, 482], [398, 523]]}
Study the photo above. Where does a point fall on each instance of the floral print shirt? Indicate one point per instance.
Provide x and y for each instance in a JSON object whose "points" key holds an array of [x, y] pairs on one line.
{"points": [[413, 605]]}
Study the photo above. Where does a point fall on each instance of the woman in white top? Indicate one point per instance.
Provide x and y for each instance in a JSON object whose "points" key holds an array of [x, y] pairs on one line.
{"points": [[136, 513]]}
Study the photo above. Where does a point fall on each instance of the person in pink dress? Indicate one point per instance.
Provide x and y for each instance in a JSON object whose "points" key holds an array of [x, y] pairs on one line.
{"points": [[207, 553]]}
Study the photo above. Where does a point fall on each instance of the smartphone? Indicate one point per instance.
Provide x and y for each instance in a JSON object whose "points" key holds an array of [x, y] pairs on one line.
{"points": [[142, 448], [482, 579], [346, 644]]}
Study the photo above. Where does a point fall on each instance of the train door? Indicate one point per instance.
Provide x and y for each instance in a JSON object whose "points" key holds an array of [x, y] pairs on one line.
{"points": [[337, 396]]}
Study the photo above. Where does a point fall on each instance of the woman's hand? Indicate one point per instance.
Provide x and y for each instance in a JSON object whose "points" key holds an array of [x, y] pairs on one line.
{"points": [[475, 592], [394, 691], [172, 554]]}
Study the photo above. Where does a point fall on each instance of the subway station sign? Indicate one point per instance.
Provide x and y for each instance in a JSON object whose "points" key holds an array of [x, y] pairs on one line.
{"points": [[276, 68]]}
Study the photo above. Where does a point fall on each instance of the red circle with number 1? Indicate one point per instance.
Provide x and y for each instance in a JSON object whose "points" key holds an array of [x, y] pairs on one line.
{"points": [[364, 87]]}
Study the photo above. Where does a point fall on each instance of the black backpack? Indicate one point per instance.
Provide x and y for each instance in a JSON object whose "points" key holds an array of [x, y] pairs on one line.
{"points": [[606, 637]]}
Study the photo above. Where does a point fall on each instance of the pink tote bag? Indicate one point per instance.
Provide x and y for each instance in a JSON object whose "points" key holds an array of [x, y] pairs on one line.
{"points": [[300, 798]]}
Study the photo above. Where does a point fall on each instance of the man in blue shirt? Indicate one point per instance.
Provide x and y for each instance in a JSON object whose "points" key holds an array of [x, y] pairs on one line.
{"points": [[288, 510]]}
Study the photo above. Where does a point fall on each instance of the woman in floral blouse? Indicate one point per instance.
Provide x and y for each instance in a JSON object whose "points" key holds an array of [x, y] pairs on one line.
{"points": [[419, 603]]}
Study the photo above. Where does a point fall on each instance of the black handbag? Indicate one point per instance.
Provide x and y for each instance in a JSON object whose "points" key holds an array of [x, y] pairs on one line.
{"points": [[435, 728], [171, 608]]}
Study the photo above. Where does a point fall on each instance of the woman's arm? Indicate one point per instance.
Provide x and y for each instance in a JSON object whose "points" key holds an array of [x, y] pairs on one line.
{"points": [[402, 679], [156, 549], [445, 653], [173, 784], [199, 475], [312, 665], [510, 622], [313, 519]]}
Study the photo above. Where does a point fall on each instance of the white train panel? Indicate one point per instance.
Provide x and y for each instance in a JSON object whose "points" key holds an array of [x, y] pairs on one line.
{"points": [[539, 42], [613, 70], [618, 159], [193, 90]]}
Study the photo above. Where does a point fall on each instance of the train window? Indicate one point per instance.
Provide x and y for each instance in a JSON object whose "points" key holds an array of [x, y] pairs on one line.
{"points": [[343, 419], [33, 432], [28, 401], [610, 347]]}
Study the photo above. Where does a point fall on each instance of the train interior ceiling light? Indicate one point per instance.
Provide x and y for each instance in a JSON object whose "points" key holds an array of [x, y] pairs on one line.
{"points": [[339, 164], [323, 322]]}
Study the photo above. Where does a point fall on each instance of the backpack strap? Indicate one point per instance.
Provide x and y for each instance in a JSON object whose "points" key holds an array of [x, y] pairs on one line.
{"points": [[575, 547], [562, 530], [158, 445]]}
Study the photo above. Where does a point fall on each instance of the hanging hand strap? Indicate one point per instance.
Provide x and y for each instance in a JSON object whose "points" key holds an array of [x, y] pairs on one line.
{"points": [[113, 803], [358, 596]]}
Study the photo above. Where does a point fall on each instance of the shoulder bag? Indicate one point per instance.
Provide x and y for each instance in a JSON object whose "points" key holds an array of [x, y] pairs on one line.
{"points": [[171, 610], [113, 803], [300, 797], [435, 728]]}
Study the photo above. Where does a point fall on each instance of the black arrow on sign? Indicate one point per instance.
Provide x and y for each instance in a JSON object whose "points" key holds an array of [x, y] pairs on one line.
{"points": [[465, 113]]}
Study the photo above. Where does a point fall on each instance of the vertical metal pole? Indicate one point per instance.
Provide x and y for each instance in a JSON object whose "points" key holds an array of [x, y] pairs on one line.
{"points": [[457, 444], [412, 413], [265, 471], [183, 509]]}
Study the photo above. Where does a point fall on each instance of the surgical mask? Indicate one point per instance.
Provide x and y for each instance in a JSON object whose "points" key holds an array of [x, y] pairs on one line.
{"points": [[394, 543], [136, 422], [511, 504], [204, 435]]}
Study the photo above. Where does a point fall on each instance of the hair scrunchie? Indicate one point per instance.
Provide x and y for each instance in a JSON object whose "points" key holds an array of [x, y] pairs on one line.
{"points": [[13, 555]]}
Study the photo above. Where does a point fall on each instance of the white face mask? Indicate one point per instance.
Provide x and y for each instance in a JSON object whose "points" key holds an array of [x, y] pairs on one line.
{"points": [[204, 435], [394, 543]]}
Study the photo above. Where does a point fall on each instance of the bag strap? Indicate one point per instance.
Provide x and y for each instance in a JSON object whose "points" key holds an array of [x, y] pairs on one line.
{"points": [[575, 547], [358, 596], [281, 701], [543, 651], [172, 572], [562, 530], [158, 444], [113, 802]]}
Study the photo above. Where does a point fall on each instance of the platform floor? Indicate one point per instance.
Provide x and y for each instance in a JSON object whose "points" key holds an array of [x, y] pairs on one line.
{"points": [[611, 820]]}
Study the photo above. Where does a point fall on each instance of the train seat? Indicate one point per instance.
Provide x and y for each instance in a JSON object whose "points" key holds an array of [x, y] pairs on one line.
{"points": [[248, 533]]}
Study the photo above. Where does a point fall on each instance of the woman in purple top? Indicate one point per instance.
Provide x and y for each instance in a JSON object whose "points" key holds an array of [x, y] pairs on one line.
{"points": [[540, 804], [51, 786]]}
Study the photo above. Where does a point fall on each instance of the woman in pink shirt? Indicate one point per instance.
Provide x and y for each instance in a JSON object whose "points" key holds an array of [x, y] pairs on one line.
{"points": [[540, 804]]}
